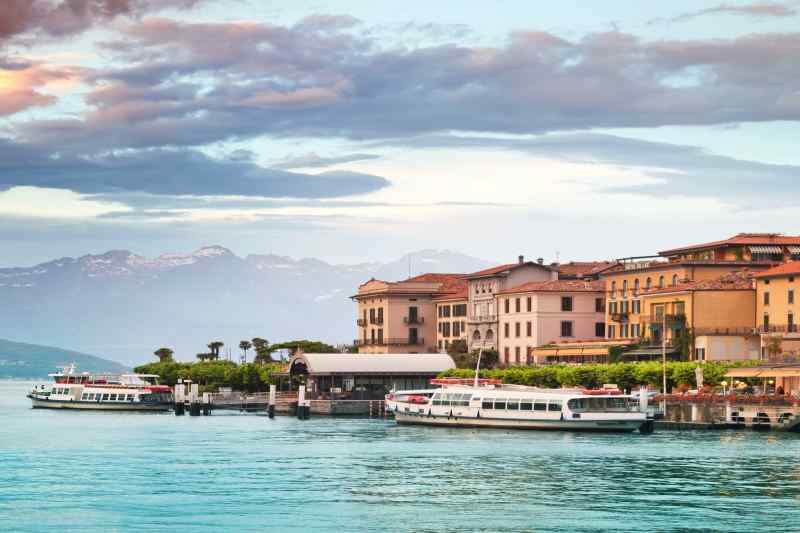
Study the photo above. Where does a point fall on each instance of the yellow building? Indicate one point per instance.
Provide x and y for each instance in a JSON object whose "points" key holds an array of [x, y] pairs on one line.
{"points": [[777, 310], [714, 317], [451, 318], [626, 282]]}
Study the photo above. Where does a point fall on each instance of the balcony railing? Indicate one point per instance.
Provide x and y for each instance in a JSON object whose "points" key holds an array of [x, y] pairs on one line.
{"points": [[482, 319], [778, 328], [389, 342], [376, 321], [361, 322], [725, 332], [659, 319], [414, 320], [619, 317]]}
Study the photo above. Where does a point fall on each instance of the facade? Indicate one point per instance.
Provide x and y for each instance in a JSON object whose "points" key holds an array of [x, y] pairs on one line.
{"points": [[483, 288], [777, 311], [546, 312], [451, 318], [631, 277], [717, 317], [400, 317]]}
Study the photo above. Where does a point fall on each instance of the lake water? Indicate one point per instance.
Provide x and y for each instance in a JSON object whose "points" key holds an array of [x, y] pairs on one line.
{"points": [[103, 472]]}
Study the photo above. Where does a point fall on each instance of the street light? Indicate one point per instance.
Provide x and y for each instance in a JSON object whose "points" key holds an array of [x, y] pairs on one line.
{"points": [[724, 384]]}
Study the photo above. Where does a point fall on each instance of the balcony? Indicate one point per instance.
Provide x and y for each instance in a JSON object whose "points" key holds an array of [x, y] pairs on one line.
{"points": [[413, 320], [619, 317], [725, 332], [361, 322], [777, 328], [482, 319], [376, 321], [389, 342], [657, 320]]}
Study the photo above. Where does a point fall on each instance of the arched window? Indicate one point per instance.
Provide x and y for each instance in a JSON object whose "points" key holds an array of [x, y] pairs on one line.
{"points": [[674, 280], [476, 336], [489, 335], [661, 282], [648, 284], [636, 286], [624, 288], [613, 289]]}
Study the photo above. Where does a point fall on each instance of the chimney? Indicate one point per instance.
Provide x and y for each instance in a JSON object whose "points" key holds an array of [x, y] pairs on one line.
{"points": [[540, 260], [521, 259]]}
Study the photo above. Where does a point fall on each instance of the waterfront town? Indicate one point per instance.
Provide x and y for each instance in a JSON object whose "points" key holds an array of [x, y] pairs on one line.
{"points": [[728, 300]]}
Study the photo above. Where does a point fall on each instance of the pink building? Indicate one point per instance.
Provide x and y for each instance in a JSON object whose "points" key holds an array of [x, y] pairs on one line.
{"points": [[543, 312]]}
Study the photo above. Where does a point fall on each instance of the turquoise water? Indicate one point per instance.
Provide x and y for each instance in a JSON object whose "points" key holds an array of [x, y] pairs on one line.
{"points": [[104, 472]]}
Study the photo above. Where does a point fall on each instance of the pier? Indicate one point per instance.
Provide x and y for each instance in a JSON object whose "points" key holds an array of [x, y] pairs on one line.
{"points": [[728, 412]]}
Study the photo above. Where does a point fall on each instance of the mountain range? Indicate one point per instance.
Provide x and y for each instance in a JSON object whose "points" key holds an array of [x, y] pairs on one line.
{"points": [[123, 306]]}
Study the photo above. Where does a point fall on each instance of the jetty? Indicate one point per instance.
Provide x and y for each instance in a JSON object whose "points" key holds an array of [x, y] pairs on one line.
{"points": [[707, 411]]}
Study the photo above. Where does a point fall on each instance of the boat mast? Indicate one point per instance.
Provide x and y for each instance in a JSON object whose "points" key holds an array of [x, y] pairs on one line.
{"points": [[478, 367]]}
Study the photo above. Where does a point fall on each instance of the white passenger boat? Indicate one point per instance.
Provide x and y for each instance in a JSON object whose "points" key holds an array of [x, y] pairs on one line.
{"points": [[490, 403], [100, 392]]}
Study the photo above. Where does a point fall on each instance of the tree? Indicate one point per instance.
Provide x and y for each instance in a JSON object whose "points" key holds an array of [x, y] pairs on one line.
{"points": [[164, 354], [305, 346], [245, 346], [214, 348], [774, 346], [205, 356], [263, 350]]}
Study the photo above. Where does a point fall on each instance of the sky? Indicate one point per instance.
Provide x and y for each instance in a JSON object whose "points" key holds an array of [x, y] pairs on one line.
{"points": [[358, 131]]}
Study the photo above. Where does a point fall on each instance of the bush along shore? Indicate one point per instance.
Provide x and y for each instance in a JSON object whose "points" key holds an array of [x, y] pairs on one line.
{"points": [[627, 376], [211, 375]]}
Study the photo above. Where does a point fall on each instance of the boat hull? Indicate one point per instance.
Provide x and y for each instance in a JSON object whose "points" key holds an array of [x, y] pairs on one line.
{"points": [[38, 403], [616, 426]]}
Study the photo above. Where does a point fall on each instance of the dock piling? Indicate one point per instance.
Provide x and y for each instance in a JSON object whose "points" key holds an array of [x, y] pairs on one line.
{"points": [[179, 397], [303, 408], [271, 405]]}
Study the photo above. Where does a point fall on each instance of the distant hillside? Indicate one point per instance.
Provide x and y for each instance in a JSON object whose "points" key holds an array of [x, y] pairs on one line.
{"points": [[20, 360]]}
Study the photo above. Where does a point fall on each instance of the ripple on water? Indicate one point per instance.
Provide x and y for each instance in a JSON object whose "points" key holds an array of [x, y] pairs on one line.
{"points": [[126, 472]]}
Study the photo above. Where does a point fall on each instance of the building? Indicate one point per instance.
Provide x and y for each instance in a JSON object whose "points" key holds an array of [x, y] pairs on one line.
{"points": [[715, 317], [777, 311], [400, 317], [626, 281], [585, 270], [451, 318], [577, 352], [545, 312], [482, 290]]}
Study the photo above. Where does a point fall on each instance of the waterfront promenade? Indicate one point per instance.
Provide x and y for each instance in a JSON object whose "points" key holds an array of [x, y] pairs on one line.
{"points": [[93, 472]]}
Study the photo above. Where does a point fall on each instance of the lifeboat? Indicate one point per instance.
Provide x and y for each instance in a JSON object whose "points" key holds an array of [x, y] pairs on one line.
{"points": [[602, 392], [466, 381]]}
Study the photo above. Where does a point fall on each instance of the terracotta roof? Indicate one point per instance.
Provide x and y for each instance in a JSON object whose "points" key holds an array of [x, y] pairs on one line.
{"points": [[558, 285], [732, 281], [461, 294], [785, 269], [447, 284], [435, 277], [583, 268], [502, 268], [665, 265], [741, 238]]}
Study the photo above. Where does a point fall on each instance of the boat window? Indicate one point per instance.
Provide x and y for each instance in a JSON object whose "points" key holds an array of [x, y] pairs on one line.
{"points": [[526, 404], [488, 403], [105, 397], [540, 405], [130, 397], [577, 404], [113, 398], [91, 397], [84, 396], [554, 405], [500, 403], [464, 400], [513, 404]]}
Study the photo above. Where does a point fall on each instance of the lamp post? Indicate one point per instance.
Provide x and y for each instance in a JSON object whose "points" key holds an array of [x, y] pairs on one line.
{"points": [[724, 384]]}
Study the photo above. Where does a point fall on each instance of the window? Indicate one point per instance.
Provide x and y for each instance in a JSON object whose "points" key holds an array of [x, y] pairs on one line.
{"points": [[517, 305], [599, 306], [446, 329], [113, 398], [790, 325], [540, 405], [529, 329], [413, 336], [624, 288], [613, 289], [456, 329], [600, 329], [623, 331], [460, 310], [84, 396], [636, 330], [554, 405], [512, 404], [529, 302], [661, 282], [612, 308], [487, 403], [380, 335], [105, 397], [508, 306], [637, 307], [566, 328], [790, 296], [500, 403], [674, 280], [440, 312], [766, 298], [636, 286], [507, 329], [648, 284], [700, 353], [446, 311], [612, 332], [517, 329], [526, 405], [566, 303], [517, 354], [766, 322]]}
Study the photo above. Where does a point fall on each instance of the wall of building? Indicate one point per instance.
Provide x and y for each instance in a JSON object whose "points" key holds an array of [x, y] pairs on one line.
{"points": [[545, 318], [443, 339], [394, 326], [779, 307], [724, 309], [727, 348]]}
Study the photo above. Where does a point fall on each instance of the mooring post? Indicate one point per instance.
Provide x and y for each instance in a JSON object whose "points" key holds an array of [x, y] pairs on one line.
{"points": [[194, 401], [206, 403], [271, 405], [301, 402], [179, 398], [729, 413], [695, 412]]}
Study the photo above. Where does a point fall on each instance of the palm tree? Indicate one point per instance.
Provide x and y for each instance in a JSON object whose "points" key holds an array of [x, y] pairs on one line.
{"points": [[164, 354], [262, 349], [205, 356], [244, 346], [214, 348]]}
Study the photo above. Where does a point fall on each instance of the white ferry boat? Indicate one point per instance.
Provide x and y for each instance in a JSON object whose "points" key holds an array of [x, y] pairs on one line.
{"points": [[490, 403], [124, 392]]}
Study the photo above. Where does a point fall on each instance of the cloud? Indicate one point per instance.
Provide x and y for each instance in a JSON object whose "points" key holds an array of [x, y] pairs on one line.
{"points": [[67, 17], [170, 172], [176, 87], [22, 83], [312, 160], [758, 9], [674, 170]]}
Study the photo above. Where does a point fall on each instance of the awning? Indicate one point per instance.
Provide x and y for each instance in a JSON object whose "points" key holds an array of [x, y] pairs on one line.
{"points": [[766, 249], [794, 249], [764, 372]]}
